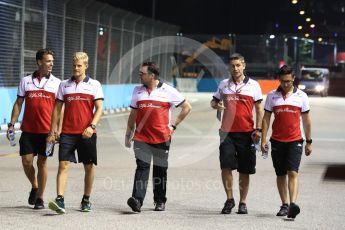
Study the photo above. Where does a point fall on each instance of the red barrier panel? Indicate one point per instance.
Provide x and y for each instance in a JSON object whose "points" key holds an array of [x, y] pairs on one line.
{"points": [[268, 85]]}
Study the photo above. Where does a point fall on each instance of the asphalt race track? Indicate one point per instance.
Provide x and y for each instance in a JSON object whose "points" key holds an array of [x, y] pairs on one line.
{"points": [[195, 192]]}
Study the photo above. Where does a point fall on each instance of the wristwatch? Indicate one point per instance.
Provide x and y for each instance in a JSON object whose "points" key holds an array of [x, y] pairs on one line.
{"points": [[92, 126], [9, 125], [309, 141]]}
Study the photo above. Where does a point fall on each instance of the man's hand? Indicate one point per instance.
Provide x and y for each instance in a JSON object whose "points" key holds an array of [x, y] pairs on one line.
{"points": [[11, 128], [87, 133], [308, 149], [263, 146], [256, 136], [217, 105], [129, 138], [172, 129], [51, 138]]}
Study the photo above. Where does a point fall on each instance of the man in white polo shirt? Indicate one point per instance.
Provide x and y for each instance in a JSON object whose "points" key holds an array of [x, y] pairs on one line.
{"points": [[39, 91], [83, 100], [150, 123], [237, 96], [288, 104]]}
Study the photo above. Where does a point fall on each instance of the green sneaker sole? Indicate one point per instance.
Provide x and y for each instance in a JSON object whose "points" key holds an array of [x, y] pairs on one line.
{"points": [[53, 206], [85, 210]]}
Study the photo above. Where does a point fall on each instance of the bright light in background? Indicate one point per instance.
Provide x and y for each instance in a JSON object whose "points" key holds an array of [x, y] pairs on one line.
{"points": [[302, 87], [300, 27], [301, 12], [312, 26], [319, 88], [319, 39], [272, 36], [306, 35], [276, 25], [294, 1], [308, 19], [335, 34]]}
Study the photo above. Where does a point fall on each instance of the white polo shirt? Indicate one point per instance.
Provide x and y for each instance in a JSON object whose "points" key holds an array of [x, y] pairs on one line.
{"points": [[79, 98], [154, 112], [39, 102], [238, 99], [287, 111]]}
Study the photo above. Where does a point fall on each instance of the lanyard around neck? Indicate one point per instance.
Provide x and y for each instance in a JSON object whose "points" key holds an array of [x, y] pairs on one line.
{"points": [[37, 86]]}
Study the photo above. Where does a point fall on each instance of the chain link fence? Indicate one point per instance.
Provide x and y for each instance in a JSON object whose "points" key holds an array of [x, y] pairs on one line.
{"points": [[66, 26]]}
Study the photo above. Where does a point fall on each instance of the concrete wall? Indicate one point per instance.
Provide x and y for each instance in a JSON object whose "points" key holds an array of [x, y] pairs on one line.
{"points": [[116, 96]]}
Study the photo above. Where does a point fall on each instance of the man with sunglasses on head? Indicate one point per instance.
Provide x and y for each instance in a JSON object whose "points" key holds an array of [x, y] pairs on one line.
{"points": [[288, 104], [150, 126], [82, 97], [237, 96], [38, 90]]}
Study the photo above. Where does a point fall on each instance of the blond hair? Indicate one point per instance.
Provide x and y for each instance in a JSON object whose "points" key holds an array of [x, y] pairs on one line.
{"points": [[81, 56]]}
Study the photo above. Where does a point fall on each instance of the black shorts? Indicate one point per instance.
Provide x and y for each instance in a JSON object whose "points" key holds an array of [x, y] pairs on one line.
{"points": [[33, 143], [237, 152], [159, 153], [286, 156], [86, 148]]}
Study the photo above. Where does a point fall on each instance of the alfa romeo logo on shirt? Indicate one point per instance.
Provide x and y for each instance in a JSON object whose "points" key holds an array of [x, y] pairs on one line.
{"points": [[149, 105], [286, 110], [39, 95], [77, 98]]}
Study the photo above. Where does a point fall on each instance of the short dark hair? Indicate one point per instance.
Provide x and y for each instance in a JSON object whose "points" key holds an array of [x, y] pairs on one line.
{"points": [[236, 56], [285, 69], [40, 53], [152, 67]]}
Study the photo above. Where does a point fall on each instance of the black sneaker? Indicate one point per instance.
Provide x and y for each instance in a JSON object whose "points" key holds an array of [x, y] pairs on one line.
{"points": [[283, 210], [85, 206], [39, 204], [242, 208], [134, 204], [32, 196], [57, 205], [294, 210], [228, 206], [159, 206]]}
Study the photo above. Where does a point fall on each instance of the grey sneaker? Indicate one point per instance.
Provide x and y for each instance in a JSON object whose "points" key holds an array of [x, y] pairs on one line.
{"points": [[57, 205], [228, 206], [159, 206], [283, 210], [242, 208], [39, 204], [85, 206]]}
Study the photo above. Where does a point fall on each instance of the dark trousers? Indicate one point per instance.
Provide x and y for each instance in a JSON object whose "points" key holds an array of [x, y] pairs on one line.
{"points": [[159, 154]]}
